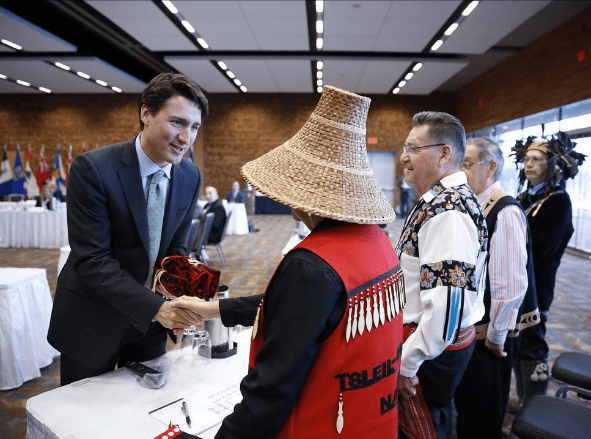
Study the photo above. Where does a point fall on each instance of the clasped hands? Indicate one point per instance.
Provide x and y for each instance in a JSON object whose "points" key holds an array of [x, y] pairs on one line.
{"points": [[182, 312]]}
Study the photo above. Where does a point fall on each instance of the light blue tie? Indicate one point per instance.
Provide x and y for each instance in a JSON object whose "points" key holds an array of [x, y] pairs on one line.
{"points": [[155, 208]]}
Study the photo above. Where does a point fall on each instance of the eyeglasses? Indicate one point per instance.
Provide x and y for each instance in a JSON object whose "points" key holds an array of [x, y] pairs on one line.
{"points": [[468, 165], [414, 149], [535, 160]]}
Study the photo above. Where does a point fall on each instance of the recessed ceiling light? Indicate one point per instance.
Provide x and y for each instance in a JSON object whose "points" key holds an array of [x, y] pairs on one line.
{"points": [[437, 45], [319, 89], [319, 65], [417, 67], [117, 89], [2, 76], [230, 74], [170, 6], [408, 75], [202, 42], [26, 84], [62, 66], [470, 8], [188, 26], [319, 26], [319, 83], [450, 30], [11, 44], [237, 81], [320, 6], [243, 88], [99, 82], [45, 90], [319, 43], [319, 75], [83, 75], [222, 65], [401, 84], [396, 90]]}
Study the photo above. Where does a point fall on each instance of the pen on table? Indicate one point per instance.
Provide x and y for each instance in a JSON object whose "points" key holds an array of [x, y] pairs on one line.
{"points": [[185, 409]]}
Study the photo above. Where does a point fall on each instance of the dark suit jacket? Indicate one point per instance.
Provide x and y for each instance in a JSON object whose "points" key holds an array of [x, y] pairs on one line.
{"points": [[239, 197], [100, 293]]}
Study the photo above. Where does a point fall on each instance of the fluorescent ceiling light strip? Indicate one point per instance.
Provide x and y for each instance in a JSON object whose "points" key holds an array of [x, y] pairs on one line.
{"points": [[408, 76], [437, 45], [83, 75], [320, 6], [230, 74], [396, 90], [11, 44], [3, 76], [237, 81], [319, 65], [470, 8], [319, 75], [243, 88], [401, 84], [450, 30], [202, 42], [319, 43], [99, 82], [319, 26], [319, 89], [45, 90], [170, 6], [417, 67], [62, 66], [117, 89], [26, 84], [319, 83], [188, 26], [222, 65]]}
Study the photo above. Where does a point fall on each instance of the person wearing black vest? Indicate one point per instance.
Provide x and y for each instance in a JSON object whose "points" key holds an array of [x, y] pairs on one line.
{"points": [[509, 299], [547, 164]]}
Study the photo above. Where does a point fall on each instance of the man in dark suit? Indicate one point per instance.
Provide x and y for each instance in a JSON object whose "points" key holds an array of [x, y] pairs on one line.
{"points": [[104, 313], [235, 195], [215, 205]]}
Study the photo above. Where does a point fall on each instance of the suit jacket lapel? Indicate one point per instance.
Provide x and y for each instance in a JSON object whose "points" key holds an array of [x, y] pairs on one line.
{"points": [[131, 183]]}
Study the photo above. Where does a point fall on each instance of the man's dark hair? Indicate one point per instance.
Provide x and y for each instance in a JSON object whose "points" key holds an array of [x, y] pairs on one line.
{"points": [[444, 128], [167, 85]]}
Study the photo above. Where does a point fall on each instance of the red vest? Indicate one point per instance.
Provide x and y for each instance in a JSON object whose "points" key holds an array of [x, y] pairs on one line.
{"points": [[351, 385]]}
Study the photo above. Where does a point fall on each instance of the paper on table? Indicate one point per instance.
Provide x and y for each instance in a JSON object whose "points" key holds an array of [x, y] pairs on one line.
{"points": [[206, 409]]}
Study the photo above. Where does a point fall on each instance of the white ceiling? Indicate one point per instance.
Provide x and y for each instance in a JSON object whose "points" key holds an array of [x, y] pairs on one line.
{"points": [[357, 27]]}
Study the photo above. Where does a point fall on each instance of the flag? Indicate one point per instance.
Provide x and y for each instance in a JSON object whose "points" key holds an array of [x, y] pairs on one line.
{"points": [[69, 164], [31, 186], [43, 173], [58, 174], [5, 175], [19, 173]]}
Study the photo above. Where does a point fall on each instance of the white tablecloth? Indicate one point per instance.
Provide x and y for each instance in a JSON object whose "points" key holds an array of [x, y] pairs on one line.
{"points": [[33, 227], [25, 308], [238, 221], [114, 405]]}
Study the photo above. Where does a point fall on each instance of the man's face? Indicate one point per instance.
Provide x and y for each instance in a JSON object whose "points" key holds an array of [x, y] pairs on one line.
{"points": [[210, 195], [169, 133], [235, 186], [421, 167], [536, 167], [476, 172]]}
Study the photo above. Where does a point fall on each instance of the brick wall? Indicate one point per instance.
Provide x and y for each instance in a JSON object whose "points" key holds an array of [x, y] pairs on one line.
{"points": [[545, 75]]}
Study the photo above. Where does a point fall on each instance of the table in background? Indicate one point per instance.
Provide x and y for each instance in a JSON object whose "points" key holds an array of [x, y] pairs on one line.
{"points": [[238, 224], [114, 405], [266, 206], [25, 226], [25, 309]]}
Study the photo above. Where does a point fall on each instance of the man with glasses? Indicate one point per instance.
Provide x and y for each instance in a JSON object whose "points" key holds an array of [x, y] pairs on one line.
{"points": [[442, 252], [510, 298]]}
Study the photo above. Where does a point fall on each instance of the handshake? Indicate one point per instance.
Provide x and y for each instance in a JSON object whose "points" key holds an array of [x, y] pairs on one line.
{"points": [[182, 312]]}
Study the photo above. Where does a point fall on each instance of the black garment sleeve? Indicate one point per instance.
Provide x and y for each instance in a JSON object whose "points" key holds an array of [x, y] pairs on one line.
{"points": [[240, 310], [304, 303]]}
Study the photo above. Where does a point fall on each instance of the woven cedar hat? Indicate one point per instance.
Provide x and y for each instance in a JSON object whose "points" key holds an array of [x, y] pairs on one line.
{"points": [[323, 169]]}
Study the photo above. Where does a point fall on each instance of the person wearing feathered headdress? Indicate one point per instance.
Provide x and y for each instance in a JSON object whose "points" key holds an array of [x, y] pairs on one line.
{"points": [[547, 164]]}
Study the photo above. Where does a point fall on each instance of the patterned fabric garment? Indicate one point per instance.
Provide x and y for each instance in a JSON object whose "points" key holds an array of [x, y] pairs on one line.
{"points": [[442, 251]]}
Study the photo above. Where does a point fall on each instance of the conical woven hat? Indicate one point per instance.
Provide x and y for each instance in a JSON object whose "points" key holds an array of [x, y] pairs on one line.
{"points": [[323, 169]]}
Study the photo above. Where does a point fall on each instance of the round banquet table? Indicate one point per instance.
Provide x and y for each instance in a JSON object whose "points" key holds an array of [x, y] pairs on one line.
{"points": [[25, 309], [238, 224], [33, 227]]}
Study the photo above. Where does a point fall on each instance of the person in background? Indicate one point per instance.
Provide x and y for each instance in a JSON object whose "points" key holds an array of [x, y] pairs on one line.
{"points": [[406, 192], [442, 252], [46, 198], [327, 315], [215, 205], [547, 164], [128, 205], [509, 299], [235, 195]]}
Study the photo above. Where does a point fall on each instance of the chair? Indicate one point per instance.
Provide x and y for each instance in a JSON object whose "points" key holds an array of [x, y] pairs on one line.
{"points": [[192, 235], [555, 416], [218, 246], [201, 237]]}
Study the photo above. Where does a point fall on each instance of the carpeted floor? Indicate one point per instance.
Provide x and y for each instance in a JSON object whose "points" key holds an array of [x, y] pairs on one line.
{"points": [[251, 261]]}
